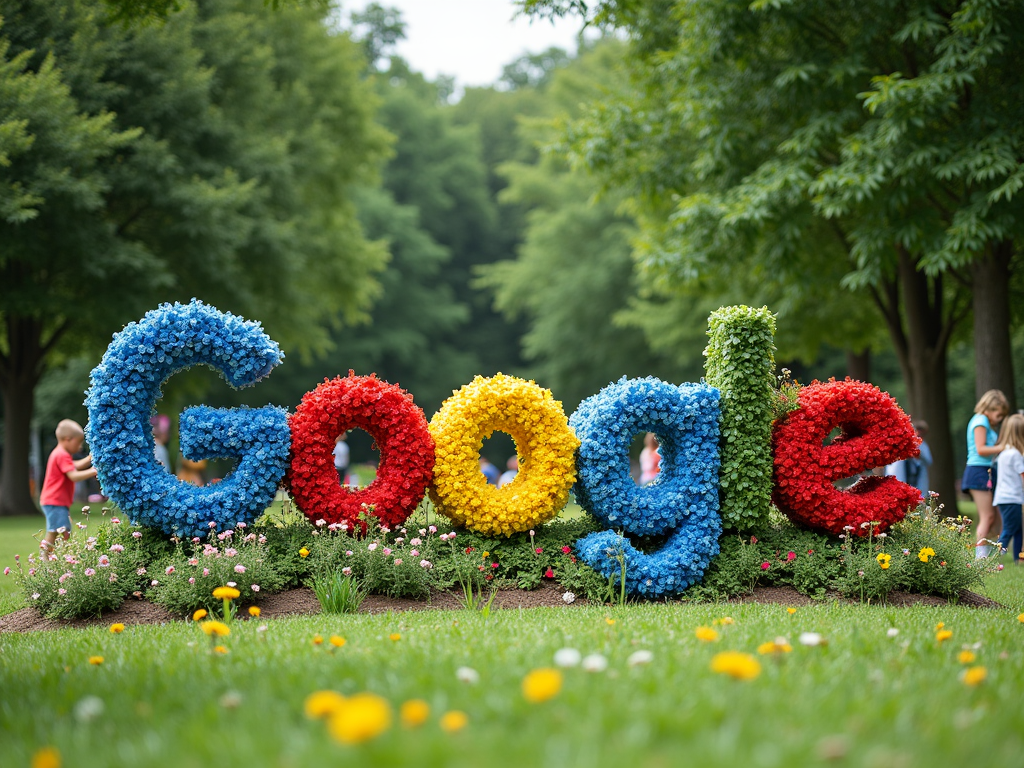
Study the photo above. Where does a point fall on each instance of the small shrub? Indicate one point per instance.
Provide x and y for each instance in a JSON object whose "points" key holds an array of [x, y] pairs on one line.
{"points": [[338, 593]]}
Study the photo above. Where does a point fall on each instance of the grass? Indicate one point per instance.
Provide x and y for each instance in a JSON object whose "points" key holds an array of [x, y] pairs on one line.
{"points": [[864, 699]]}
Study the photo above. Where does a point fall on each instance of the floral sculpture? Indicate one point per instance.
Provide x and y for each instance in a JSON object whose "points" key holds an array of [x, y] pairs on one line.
{"points": [[125, 387], [544, 443], [874, 432], [681, 503], [397, 425]]}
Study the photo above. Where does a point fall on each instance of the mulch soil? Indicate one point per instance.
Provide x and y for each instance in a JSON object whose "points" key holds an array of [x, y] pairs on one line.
{"points": [[302, 601]]}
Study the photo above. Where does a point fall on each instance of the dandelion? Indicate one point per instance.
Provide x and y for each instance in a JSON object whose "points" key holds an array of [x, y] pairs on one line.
{"points": [[360, 718], [567, 657], [541, 685], [467, 675], [116, 629], [318, 640], [414, 713], [966, 657], [609, 621], [595, 662], [454, 721], [395, 637], [943, 635], [706, 634], [777, 646], [254, 611], [200, 614], [47, 757], [95, 660], [214, 628], [791, 611], [323, 704], [221, 650], [640, 657], [226, 593], [973, 676], [1020, 618], [303, 552], [337, 641], [739, 666]]}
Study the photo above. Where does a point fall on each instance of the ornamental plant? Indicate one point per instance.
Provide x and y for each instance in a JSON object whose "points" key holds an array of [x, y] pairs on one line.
{"points": [[681, 505], [398, 427], [873, 432], [125, 387], [544, 444], [236, 557], [740, 362]]}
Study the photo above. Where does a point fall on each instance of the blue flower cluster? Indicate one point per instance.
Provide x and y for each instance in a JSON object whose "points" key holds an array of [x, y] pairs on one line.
{"points": [[125, 387], [681, 503]]}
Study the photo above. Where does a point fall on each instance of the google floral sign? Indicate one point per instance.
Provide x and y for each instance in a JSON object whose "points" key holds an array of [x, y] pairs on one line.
{"points": [[724, 460]]}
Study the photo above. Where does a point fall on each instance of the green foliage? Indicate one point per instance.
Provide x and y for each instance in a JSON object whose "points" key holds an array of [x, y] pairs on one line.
{"points": [[338, 593], [741, 364]]}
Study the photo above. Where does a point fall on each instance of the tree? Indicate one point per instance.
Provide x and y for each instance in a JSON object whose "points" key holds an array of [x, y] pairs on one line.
{"points": [[226, 143], [782, 139]]}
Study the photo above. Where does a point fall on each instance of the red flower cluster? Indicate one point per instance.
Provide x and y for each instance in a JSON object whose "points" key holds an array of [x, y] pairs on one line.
{"points": [[874, 431], [397, 425]]}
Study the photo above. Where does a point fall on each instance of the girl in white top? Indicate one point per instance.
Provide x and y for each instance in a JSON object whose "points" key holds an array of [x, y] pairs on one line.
{"points": [[1009, 494]]}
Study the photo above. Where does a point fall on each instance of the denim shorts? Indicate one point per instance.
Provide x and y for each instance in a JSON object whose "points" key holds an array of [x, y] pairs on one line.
{"points": [[978, 479], [57, 518]]}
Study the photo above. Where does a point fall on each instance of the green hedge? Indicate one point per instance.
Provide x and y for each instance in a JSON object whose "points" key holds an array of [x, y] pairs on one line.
{"points": [[740, 362]]}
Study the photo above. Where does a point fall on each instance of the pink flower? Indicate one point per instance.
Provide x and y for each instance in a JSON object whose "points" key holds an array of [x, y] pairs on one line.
{"points": [[140, 572], [399, 540], [426, 564], [444, 537], [549, 574], [451, 535], [494, 565], [385, 529], [348, 553], [538, 550], [765, 566], [999, 567], [136, 534], [193, 561], [90, 571], [65, 576], [254, 587], [191, 580], [387, 551], [115, 521], [212, 523], [206, 571], [415, 542], [398, 561], [262, 539], [239, 524], [372, 546], [31, 571], [18, 557], [62, 591], [169, 570], [239, 568], [117, 547], [566, 550], [230, 552], [196, 539], [321, 523], [347, 571], [154, 583], [7, 571], [414, 553], [790, 557], [104, 561], [432, 528], [70, 559]]}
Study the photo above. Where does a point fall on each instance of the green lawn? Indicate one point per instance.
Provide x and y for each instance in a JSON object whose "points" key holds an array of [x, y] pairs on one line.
{"points": [[864, 699]]}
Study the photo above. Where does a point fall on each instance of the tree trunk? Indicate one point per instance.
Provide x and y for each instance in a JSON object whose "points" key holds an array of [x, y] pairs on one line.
{"points": [[858, 365], [20, 370], [993, 359], [925, 344]]}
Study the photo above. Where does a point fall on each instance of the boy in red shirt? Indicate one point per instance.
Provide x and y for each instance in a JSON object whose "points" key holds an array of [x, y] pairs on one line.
{"points": [[62, 472]]}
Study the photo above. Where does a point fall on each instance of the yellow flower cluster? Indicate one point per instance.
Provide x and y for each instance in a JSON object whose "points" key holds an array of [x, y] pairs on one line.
{"points": [[545, 445], [364, 716], [740, 666], [925, 553], [707, 634]]}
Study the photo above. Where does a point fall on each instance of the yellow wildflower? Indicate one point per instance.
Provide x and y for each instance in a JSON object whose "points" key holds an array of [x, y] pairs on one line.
{"points": [[226, 593], [47, 757], [609, 621], [925, 553], [966, 657], [973, 676], [221, 649], [779, 645], [322, 704], [724, 620], [414, 712], [943, 634], [1020, 618], [254, 611], [303, 552], [337, 641], [707, 634], [96, 660], [117, 629], [940, 625], [318, 640], [360, 718], [542, 684], [453, 721], [791, 611], [198, 615], [215, 628], [740, 666], [395, 637]]}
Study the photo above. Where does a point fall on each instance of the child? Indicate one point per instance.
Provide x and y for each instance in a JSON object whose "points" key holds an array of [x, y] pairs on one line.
{"points": [[650, 459], [1009, 495], [981, 447], [62, 472]]}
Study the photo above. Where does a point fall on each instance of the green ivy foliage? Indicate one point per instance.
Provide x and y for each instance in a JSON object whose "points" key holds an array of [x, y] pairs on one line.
{"points": [[740, 362]]}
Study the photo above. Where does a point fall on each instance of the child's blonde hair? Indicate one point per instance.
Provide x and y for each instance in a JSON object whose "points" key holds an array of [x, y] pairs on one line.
{"points": [[68, 428], [1013, 432], [992, 400]]}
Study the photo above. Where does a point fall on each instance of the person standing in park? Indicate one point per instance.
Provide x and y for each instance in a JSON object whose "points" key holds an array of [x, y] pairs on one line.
{"points": [[915, 471], [980, 475], [650, 459], [62, 472], [512, 469], [1009, 493], [341, 457]]}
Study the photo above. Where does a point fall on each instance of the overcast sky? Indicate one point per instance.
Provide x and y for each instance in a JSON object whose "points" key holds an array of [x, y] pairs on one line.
{"points": [[471, 39]]}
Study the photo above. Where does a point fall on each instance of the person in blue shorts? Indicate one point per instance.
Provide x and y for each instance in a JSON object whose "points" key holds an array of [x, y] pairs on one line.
{"points": [[980, 475]]}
